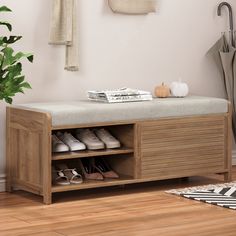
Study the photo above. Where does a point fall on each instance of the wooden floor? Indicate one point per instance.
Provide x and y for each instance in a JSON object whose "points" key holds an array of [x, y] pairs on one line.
{"points": [[137, 210]]}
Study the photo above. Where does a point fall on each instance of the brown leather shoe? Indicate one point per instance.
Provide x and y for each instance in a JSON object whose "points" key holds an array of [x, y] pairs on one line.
{"points": [[102, 166], [89, 172]]}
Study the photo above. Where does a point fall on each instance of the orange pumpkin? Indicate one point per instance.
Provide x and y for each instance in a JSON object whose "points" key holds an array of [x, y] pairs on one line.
{"points": [[162, 91]]}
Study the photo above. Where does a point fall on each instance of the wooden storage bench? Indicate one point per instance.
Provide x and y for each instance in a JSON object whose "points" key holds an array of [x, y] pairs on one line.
{"points": [[161, 139]]}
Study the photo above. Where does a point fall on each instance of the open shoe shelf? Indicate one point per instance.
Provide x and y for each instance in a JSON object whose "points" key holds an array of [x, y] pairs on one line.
{"points": [[120, 159]]}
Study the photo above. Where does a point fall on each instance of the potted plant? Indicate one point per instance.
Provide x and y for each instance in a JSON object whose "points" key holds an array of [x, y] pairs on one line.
{"points": [[11, 79]]}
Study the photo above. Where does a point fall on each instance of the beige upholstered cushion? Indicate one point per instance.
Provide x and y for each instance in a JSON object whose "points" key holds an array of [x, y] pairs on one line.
{"points": [[132, 6], [84, 112]]}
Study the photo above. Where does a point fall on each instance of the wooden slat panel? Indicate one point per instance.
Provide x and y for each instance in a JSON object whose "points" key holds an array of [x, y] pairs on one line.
{"points": [[188, 152], [180, 144], [168, 174], [29, 157], [191, 161], [29, 151], [182, 147], [184, 170], [185, 121]]}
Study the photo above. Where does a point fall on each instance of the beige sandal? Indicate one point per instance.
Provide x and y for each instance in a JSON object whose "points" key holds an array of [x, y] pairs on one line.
{"points": [[73, 176], [59, 178]]}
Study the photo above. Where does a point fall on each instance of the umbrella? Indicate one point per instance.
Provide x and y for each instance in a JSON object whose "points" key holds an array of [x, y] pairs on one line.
{"points": [[224, 55]]}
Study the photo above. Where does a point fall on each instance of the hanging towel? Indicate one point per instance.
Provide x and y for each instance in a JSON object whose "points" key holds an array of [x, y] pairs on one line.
{"points": [[132, 6], [64, 30]]}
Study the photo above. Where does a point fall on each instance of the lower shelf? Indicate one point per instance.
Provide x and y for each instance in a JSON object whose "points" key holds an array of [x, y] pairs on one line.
{"points": [[94, 184]]}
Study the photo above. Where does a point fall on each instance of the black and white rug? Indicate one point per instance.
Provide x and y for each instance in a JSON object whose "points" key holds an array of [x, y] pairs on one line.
{"points": [[223, 195]]}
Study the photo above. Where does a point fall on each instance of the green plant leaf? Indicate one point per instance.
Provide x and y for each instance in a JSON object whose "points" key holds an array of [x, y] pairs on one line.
{"points": [[11, 79], [30, 57], [20, 79], [8, 25], [4, 41], [13, 71], [20, 55], [21, 90], [1, 41], [11, 39], [25, 85], [10, 59], [4, 9], [8, 100]]}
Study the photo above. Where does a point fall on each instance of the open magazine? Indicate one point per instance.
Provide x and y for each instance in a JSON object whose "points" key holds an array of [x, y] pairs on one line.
{"points": [[120, 95]]}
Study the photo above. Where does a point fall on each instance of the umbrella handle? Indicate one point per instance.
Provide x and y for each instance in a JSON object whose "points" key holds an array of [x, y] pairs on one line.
{"points": [[231, 22]]}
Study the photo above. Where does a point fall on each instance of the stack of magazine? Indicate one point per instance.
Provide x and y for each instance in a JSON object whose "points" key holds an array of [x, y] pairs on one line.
{"points": [[120, 95]]}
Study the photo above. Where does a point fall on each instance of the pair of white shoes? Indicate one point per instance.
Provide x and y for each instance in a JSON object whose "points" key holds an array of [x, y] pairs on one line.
{"points": [[65, 142], [85, 138], [97, 139]]}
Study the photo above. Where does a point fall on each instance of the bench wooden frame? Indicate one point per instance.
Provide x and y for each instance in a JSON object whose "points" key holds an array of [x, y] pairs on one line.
{"points": [[152, 150]]}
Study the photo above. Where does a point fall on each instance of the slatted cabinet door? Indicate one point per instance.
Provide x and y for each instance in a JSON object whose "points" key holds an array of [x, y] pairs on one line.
{"points": [[183, 146]]}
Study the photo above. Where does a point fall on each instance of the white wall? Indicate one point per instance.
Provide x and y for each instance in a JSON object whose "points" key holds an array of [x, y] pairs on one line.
{"points": [[118, 50]]}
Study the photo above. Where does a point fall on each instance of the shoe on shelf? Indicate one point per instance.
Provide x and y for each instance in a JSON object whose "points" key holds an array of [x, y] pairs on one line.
{"points": [[89, 172], [58, 145], [89, 139], [102, 166], [73, 176], [59, 178], [109, 140], [73, 143]]}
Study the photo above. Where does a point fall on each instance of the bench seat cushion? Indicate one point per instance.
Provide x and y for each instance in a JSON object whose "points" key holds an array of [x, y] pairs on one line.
{"points": [[85, 112]]}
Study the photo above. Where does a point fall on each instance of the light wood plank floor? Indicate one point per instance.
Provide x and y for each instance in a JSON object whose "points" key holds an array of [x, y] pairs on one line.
{"points": [[137, 210]]}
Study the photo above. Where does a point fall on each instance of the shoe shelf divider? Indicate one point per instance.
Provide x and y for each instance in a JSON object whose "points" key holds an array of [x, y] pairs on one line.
{"points": [[152, 150], [89, 153]]}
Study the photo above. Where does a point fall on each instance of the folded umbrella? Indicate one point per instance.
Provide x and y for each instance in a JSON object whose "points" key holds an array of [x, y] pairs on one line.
{"points": [[224, 57]]}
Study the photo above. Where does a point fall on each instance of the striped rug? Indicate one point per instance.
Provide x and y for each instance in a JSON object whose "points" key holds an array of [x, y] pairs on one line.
{"points": [[223, 195]]}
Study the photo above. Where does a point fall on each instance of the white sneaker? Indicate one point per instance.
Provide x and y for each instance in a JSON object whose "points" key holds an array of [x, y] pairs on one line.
{"points": [[89, 139], [107, 138], [58, 145], [73, 143]]}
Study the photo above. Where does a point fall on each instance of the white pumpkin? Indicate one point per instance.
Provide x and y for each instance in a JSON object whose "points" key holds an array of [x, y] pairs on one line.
{"points": [[179, 89]]}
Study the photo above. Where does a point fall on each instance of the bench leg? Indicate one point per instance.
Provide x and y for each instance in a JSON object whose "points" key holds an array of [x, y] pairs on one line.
{"points": [[9, 188], [227, 177], [47, 199]]}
